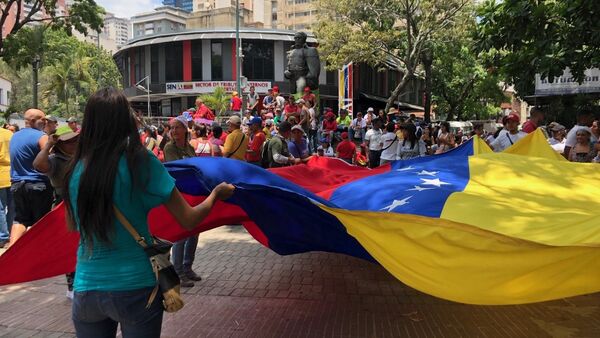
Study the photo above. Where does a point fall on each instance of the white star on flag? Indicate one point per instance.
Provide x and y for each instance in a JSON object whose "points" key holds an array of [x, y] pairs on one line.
{"points": [[406, 169], [418, 188], [435, 182], [396, 203], [429, 173]]}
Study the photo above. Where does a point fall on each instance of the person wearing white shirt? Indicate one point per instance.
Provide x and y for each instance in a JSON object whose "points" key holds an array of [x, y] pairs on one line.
{"points": [[585, 118], [390, 143], [557, 141], [411, 146], [373, 142], [509, 137], [358, 127]]}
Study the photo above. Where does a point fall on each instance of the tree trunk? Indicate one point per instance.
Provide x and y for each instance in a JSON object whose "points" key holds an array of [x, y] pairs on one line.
{"points": [[427, 103], [406, 77]]}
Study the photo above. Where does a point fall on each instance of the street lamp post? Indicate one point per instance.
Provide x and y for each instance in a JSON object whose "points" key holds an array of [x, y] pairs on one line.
{"points": [[145, 89], [237, 47], [36, 66]]}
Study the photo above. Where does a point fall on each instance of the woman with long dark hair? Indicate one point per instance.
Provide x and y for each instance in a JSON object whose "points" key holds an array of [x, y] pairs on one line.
{"points": [[112, 169], [411, 145], [445, 140]]}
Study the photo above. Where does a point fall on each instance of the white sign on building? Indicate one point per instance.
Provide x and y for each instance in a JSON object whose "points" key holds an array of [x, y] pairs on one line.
{"points": [[566, 84], [207, 87]]}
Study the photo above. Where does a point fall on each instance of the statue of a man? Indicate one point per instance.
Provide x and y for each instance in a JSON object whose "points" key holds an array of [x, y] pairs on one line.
{"points": [[304, 65]]}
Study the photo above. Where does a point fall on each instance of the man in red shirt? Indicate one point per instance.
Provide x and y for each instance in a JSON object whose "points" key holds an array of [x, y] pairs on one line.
{"points": [[202, 111], [535, 119], [257, 138], [346, 150], [235, 104], [309, 96]]}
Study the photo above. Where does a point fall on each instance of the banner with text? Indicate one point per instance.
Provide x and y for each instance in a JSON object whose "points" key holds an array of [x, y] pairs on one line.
{"points": [[566, 84], [207, 87]]}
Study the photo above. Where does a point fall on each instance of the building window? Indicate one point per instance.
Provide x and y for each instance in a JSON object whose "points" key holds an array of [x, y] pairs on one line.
{"points": [[1, 96], [154, 64], [258, 63], [216, 57], [197, 60], [173, 64]]}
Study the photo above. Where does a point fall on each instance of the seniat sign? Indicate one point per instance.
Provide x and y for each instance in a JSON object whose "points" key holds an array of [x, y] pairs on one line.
{"points": [[205, 87]]}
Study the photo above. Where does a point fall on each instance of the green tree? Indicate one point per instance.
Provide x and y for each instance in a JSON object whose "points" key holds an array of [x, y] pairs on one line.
{"points": [[82, 16], [218, 100], [387, 34], [462, 87], [525, 38]]}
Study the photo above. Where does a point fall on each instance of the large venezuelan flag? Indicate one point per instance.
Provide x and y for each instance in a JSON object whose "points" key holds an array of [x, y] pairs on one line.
{"points": [[470, 225]]}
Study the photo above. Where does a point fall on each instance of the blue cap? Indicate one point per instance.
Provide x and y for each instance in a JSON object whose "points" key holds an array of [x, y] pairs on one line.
{"points": [[255, 120], [188, 117]]}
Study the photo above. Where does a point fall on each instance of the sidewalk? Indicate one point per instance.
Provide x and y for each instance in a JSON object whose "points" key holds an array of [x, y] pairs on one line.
{"points": [[249, 291]]}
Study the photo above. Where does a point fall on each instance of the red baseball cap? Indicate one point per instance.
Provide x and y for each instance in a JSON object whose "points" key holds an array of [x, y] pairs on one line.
{"points": [[344, 135], [276, 88], [307, 89], [513, 117]]}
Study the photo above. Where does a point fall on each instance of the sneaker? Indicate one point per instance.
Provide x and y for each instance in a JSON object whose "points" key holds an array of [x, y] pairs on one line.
{"points": [[186, 282], [70, 294], [193, 276]]}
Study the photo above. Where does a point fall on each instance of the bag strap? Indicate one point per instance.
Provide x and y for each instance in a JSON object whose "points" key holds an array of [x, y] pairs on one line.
{"points": [[394, 140], [238, 147], [139, 239]]}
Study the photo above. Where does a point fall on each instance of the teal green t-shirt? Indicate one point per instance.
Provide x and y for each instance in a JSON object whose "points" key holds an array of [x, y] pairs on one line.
{"points": [[123, 265]]}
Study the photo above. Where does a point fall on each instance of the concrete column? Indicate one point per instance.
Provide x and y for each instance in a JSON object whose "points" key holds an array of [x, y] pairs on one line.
{"points": [[161, 64], [206, 61], [147, 63], [279, 60], [228, 60]]}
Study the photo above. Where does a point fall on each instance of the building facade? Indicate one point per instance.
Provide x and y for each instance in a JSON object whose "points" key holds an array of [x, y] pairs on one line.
{"points": [[183, 65], [25, 9], [296, 14], [117, 29], [186, 5], [5, 90], [162, 20]]}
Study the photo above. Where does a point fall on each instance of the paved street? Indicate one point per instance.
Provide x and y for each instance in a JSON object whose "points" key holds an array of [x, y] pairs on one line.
{"points": [[249, 291]]}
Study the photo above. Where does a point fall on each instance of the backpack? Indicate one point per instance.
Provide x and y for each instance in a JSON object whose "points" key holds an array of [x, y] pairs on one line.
{"points": [[265, 159]]}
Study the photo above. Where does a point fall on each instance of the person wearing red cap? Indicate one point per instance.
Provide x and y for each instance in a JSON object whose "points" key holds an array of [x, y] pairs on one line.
{"points": [[329, 126], [346, 150], [309, 96], [510, 136]]}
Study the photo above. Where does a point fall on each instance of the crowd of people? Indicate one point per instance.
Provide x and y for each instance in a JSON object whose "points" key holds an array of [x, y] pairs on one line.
{"points": [[113, 162]]}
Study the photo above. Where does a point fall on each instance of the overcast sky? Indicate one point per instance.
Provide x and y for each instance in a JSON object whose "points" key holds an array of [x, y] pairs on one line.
{"points": [[128, 8]]}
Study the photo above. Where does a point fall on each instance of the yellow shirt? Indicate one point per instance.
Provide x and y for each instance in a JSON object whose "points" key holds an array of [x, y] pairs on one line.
{"points": [[5, 136], [236, 140]]}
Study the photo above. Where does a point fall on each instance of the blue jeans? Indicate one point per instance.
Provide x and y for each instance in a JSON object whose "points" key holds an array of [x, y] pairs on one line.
{"points": [[96, 313], [183, 254], [7, 212], [351, 135]]}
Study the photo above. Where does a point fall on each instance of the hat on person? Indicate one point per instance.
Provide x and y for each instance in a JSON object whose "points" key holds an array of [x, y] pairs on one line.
{"points": [[278, 109], [324, 140], [345, 135], [300, 101], [187, 116], [255, 120], [392, 111], [65, 133], [513, 117], [72, 119], [181, 119], [269, 122], [234, 93], [297, 127], [555, 126], [269, 115], [192, 110], [234, 119], [276, 89], [51, 118], [306, 89], [370, 109], [329, 109], [270, 89]]}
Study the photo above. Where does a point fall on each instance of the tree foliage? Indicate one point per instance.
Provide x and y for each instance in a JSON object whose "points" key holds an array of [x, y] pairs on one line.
{"points": [[71, 70], [525, 37], [83, 15], [391, 34], [462, 87], [218, 100]]}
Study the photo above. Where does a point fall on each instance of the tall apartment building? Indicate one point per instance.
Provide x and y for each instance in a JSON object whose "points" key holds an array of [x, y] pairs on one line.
{"points": [[294, 14], [166, 19], [186, 5], [117, 29], [221, 14]]}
